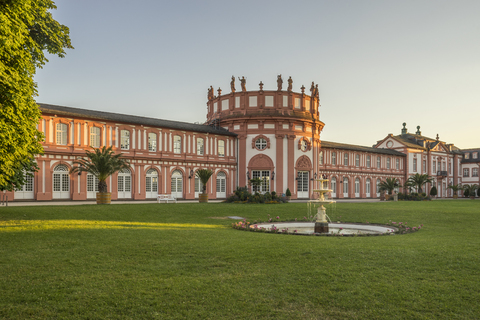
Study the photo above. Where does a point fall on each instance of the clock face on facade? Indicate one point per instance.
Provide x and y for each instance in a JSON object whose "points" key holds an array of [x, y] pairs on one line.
{"points": [[389, 144], [303, 146]]}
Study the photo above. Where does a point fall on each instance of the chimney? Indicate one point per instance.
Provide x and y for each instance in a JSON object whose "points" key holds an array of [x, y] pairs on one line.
{"points": [[404, 130], [418, 131]]}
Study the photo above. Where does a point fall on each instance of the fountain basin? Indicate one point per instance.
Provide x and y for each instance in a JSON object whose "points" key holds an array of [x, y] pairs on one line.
{"points": [[334, 228]]}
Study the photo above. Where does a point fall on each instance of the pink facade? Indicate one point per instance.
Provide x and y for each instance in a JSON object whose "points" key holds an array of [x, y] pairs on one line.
{"points": [[164, 156], [273, 135]]}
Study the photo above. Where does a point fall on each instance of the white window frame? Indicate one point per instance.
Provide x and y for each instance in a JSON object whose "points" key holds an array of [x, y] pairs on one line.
{"points": [[124, 139], [177, 144], [95, 134], [152, 142], [62, 134], [200, 146], [221, 148]]}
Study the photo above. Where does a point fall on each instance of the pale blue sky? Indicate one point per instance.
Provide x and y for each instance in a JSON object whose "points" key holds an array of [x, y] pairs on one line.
{"points": [[378, 63]]}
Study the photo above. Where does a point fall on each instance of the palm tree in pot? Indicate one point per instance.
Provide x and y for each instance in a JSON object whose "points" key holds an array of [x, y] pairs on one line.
{"points": [[419, 180], [101, 163], [389, 185], [455, 189], [204, 175]]}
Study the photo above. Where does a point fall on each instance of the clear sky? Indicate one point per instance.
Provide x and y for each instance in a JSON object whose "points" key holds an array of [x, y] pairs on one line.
{"points": [[378, 63]]}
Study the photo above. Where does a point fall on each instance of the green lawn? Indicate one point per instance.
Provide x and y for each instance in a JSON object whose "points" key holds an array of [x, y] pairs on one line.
{"points": [[177, 261]]}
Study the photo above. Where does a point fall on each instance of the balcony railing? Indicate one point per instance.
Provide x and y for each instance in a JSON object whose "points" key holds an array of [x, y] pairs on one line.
{"points": [[442, 173]]}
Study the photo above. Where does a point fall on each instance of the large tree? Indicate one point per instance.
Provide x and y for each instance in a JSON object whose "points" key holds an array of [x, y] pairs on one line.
{"points": [[27, 29]]}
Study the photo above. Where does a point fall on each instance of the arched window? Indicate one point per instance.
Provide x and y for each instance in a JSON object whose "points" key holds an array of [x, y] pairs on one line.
{"points": [[221, 185], [368, 187], [61, 182], [333, 184], [151, 183], [124, 184], [345, 187], [198, 186], [357, 188], [92, 186], [378, 188], [177, 184]]}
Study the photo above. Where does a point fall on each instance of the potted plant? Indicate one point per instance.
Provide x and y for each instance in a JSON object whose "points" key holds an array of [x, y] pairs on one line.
{"points": [[433, 191], [470, 190], [204, 175], [102, 163], [455, 189], [288, 194]]}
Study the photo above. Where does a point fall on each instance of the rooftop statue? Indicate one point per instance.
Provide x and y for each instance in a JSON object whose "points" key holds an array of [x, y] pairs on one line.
{"points": [[232, 84], [210, 93], [312, 89], [279, 82], [243, 83], [290, 83]]}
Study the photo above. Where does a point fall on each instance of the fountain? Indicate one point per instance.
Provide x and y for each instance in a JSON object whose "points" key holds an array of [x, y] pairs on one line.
{"points": [[321, 226], [317, 207]]}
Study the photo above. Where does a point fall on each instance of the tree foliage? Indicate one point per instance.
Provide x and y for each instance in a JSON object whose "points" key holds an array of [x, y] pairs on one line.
{"points": [[204, 175], [388, 185], [419, 180], [27, 29], [102, 163]]}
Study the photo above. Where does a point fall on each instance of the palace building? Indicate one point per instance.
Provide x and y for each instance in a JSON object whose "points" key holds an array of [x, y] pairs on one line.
{"points": [[274, 135]]}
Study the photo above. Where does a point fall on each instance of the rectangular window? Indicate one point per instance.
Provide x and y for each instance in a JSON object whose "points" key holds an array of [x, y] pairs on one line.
{"points": [[95, 137], [474, 172], [320, 158], [369, 160], [467, 156], [334, 158], [414, 165], [345, 159], [152, 142], [475, 155], [434, 167], [397, 164], [388, 163], [200, 146], [265, 177], [221, 148], [378, 162], [357, 160], [62, 133], [450, 167], [424, 166], [466, 172], [124, 139], [177, 144]]}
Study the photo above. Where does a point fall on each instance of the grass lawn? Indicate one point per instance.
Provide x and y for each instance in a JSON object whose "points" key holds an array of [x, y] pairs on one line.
{"points": [[177, 261]]}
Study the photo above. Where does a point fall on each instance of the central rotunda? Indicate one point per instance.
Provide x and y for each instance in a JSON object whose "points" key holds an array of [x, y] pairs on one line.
{"points": [[278, 134]]}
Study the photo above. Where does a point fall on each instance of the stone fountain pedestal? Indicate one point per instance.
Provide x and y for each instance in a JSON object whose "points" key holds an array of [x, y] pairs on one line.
{"points": [[321, 222]]}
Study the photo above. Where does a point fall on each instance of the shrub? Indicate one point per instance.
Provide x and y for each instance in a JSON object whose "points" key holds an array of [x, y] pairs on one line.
{"points": [[288, 193], [433, 191]]}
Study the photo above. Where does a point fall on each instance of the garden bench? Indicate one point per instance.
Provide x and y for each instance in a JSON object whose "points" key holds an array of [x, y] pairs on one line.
{"points": [[166, 198]]}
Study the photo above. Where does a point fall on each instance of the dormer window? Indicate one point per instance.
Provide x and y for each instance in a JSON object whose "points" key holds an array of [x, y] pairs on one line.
{"points": [[467, 156], [475, 155]]}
